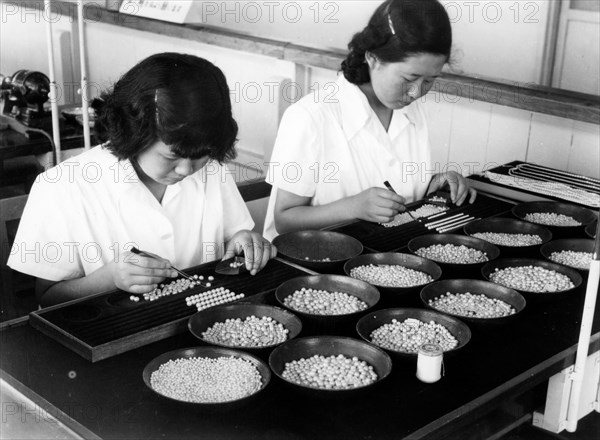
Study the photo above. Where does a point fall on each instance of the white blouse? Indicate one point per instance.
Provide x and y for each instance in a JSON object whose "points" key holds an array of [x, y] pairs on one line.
{"points": [[332, 145], [85, 212]]}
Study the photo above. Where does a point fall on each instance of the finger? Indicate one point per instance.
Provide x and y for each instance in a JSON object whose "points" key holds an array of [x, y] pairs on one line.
{"points": [[266, 255], [248, 250], [273, 251], [143, 261], [452, 183], [144, 280], [473, 193], [389, 204], [258, 248], [141, 288], [392, 196], [383, 217], [229, 250], [462, 193], [398, 207], [159, 272]]}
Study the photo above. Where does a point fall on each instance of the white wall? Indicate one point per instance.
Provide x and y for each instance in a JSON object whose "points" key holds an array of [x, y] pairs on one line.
{"points": [[499, 39], [463, 131], [486, 33]]}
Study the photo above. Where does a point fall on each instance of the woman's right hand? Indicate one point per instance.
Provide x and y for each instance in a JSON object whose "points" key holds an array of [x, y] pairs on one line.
{"points": [[376, 205], [139, 274]]}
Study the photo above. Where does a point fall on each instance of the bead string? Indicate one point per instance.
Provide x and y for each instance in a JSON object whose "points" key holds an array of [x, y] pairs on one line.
{"points": [[550, 179], [558, 190], [534, 170]]}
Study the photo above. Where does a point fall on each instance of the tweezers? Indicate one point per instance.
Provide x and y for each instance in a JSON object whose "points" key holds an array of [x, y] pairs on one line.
{"points": [[146, 254]]}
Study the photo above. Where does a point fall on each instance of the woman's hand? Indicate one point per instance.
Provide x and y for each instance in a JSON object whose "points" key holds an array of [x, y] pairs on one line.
{"points": [[459, 186], [257, 250], [376, 205], [139, 274]]}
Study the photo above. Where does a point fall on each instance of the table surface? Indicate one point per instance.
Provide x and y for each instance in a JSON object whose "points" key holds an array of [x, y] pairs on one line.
{"points": [[109, 397]]}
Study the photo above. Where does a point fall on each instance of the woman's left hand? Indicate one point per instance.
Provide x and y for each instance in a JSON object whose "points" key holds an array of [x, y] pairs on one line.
{"points": [[459, 186], [257, 250]]}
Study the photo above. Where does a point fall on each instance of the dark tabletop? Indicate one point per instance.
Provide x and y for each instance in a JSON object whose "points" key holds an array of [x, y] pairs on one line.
{"points": [[110, 399]]}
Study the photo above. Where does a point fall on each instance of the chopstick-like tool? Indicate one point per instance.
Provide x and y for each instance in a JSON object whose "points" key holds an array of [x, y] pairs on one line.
{"points": [[452, 226], [146, 254], [232, 266], [391, 188]]}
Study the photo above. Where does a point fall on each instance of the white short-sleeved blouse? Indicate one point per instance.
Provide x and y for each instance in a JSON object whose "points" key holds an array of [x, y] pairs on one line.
{"points": [[332, 145], [85, 212]]}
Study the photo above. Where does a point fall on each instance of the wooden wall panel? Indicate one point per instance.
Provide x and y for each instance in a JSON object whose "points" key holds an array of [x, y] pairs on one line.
{"points": [[550, 141], [508, 135], [440, 127], [584, 155], [469, 135]]}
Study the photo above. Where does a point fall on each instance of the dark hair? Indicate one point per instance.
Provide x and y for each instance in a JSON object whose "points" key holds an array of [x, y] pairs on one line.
{"points": [[420, 26], [180, 99]]}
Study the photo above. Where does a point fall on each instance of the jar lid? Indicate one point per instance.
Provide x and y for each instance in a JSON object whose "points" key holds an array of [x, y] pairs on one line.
{"points": [[430, 349]]}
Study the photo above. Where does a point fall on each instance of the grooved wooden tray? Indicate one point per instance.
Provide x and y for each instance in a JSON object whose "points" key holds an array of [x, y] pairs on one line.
{"points": [[108, 324], [377, 238]]}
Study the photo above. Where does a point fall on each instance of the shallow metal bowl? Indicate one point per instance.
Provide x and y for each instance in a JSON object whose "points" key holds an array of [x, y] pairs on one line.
{"points": [[396, 295], [591, 229], [456, 270], [330, 346], [568, 244], [504, 263], [207, 352], [502, 225], [202, 320], [475, 287], [329, 324], [367, 324], [310, 248], [580, 214], [331, 283]]}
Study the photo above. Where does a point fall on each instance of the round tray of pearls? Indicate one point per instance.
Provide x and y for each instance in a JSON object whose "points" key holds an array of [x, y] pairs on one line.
{"points": [[244, 326], [206, 375]]}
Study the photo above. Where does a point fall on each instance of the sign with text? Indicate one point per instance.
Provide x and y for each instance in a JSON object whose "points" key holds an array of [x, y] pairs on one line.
{"points": [[167, 10]]}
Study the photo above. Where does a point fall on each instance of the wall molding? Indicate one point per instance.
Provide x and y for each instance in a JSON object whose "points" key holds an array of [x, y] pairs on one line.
{"points": [[524, 96]]}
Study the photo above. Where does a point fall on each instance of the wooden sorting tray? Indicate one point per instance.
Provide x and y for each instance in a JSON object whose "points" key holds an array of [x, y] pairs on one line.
{"points": [[378, 238], [575, 181], [108, 324]]}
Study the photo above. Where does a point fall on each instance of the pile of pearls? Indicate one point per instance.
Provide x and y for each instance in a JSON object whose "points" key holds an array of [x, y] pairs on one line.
{"points": [[330, 373], [219, 295], [578, 260], [206, 380], [390, 275], [437, 199], [235, 264], [472, 305], [532, 279], [176, 286], [551, 219], [409, 335], [504, 239], [450, 253], [250, 332], [322, 302], [423, 211], [324, 260]]}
